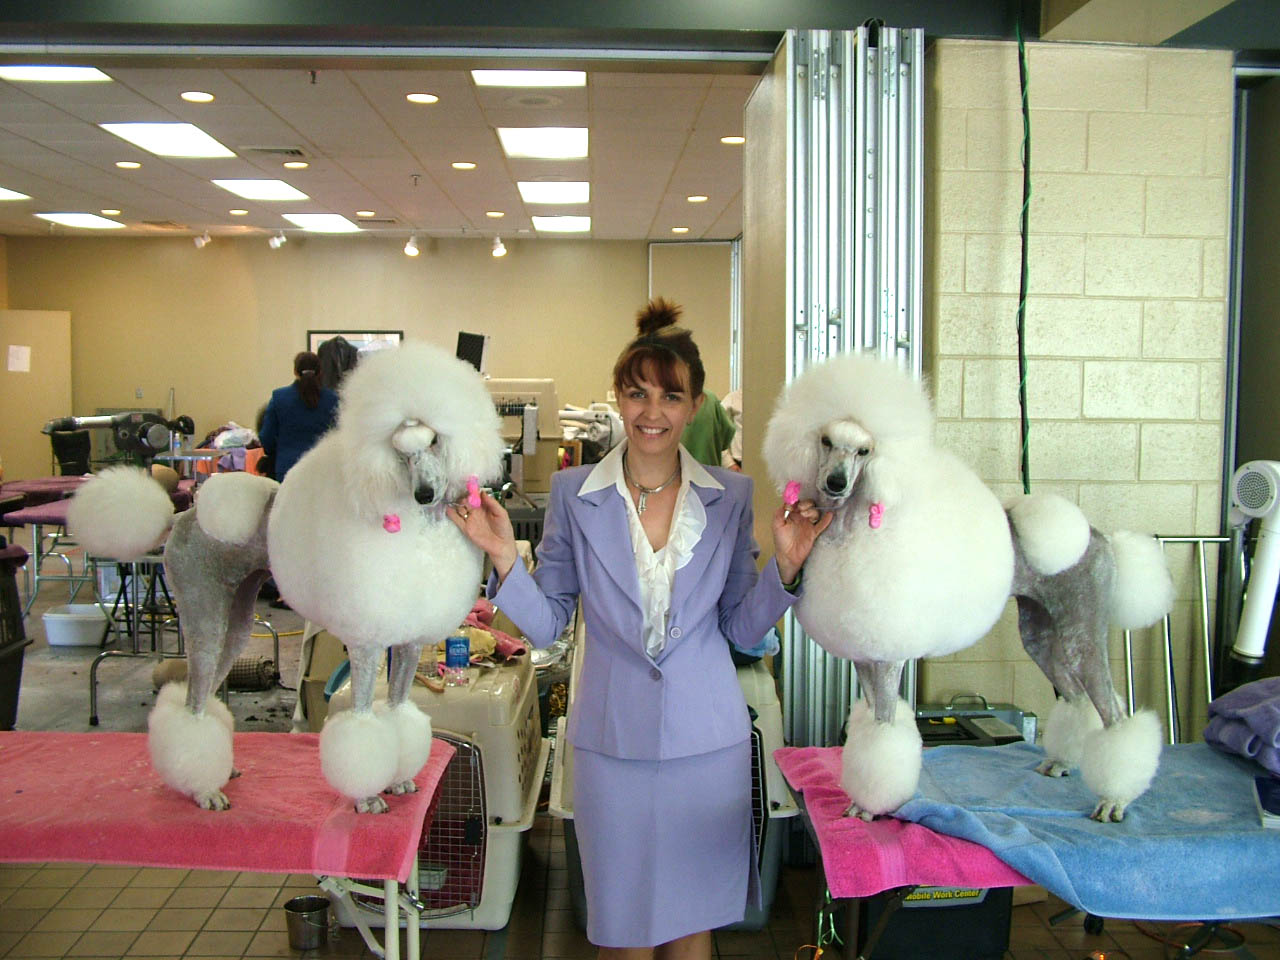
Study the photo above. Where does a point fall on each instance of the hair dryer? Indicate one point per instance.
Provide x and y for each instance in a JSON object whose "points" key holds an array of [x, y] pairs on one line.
{"points": [[1255, 492]]}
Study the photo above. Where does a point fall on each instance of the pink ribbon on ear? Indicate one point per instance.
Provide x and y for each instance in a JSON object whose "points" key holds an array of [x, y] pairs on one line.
{"points": [[391, 522], [473, 491], [875, 513]]}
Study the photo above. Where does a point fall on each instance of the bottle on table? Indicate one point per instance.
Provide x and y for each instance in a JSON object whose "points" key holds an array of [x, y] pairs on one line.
{"points": [[457, 657]]}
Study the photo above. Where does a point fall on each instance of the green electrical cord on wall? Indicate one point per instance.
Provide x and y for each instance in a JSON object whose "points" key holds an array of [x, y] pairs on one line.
{"points": [[1022, 284]]}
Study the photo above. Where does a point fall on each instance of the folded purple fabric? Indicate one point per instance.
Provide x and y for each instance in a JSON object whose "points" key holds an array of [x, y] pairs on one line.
{"points": [[1255, 704], [1269, 757], [1234, 736]]}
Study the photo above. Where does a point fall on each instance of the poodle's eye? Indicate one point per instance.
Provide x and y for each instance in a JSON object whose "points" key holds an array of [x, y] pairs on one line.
{"points": [[826, 442], [863, 451], [435, 441]]}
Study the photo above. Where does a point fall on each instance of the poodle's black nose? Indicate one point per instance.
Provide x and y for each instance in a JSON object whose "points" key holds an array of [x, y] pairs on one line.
{"points": [[424, 494], [836, 483]]}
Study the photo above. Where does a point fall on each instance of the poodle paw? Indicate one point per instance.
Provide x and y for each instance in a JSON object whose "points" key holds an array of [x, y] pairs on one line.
{"points": [[372, 805], [1109, 811], [853, 810], [404, 786], [1050, 767], [214, 800]]}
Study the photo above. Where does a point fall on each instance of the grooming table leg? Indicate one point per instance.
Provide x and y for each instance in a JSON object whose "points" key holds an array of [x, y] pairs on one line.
{"points": [[900, 894], [391, 919]]}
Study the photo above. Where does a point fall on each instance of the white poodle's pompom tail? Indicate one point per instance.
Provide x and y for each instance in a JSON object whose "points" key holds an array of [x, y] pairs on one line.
{"points": [[880, 763], [229, 507], [192, 754], [884, 400], [121, 513], [1143, 590], [1052, 531]]}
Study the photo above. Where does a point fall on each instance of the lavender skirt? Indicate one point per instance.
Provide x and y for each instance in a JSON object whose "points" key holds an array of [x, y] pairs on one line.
{"points": [[666, 846]]}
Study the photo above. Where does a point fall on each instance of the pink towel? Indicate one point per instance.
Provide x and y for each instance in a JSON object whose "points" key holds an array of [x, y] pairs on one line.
{"points": [[861, 859], [93, 798]]}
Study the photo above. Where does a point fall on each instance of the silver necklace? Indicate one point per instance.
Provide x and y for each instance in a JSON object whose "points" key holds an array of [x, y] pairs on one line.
{"points": [[645, 492]]}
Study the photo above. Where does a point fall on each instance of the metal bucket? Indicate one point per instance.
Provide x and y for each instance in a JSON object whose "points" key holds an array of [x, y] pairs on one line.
{"points": [[308, 921]]}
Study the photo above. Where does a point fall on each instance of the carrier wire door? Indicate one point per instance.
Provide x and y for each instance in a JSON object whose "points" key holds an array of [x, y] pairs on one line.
{"points": [[853, 166]]}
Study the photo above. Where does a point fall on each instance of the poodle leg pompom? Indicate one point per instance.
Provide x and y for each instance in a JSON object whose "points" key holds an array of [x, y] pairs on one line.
{"points": [[191, 752], [413, 736], [1120, 762], [880, 764], [358, 756], [1070, 723]]}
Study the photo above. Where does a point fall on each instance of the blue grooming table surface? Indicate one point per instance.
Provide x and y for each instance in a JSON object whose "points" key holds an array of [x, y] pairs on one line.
{"points": [[1191, 848]]}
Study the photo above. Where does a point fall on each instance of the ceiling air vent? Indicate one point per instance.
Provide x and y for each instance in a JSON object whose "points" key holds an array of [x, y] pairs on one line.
{"points": [[292, 153], [165, 225], [377, 221]]}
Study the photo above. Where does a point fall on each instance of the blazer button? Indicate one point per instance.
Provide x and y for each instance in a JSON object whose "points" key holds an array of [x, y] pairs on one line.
{"points": [[676, 633], [655, 673]]}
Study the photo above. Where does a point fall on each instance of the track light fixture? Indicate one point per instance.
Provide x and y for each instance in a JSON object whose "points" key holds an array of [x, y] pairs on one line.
{"points": [[411, 247], [278, 241], [201, 240], [498, 249]]}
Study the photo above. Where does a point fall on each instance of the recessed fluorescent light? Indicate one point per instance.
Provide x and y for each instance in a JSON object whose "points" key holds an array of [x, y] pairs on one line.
{"points": [[463, 165], [554, 191], [366, 213], [87, 221], [544, 143], [54, 74], [261, 189], [322, 222], [422, 98], [197, 96], [679, 229], [128, 164], [494, 214], [562, 224], [110, 212], [12, 195], [733, 140], [169, 139], [238, 212], [296, 164], [697, 198], [529, 78]]}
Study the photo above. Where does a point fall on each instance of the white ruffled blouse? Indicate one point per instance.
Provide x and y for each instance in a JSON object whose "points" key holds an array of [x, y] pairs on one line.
{"points": [[656, 569]]}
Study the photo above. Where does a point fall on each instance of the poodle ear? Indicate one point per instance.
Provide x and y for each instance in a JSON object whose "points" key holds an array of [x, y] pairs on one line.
{"points": [[881, 479]]}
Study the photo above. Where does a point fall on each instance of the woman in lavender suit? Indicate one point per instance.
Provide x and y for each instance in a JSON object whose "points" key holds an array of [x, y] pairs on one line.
{"points": [[660, 550]]}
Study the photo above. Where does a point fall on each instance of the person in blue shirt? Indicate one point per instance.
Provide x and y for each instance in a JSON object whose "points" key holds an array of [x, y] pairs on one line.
{"points": [[297, 415]]}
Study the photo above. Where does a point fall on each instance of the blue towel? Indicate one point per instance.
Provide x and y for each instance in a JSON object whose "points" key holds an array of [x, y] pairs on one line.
{"points": [[1190, 848]]}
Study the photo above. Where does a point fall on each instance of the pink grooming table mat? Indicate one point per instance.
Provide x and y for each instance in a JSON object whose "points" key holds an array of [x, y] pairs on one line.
{"points": [[93, 798], [861, 859]]}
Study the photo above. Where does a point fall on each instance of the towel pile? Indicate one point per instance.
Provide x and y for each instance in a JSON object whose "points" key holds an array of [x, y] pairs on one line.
{"points": [[1246, 721]]}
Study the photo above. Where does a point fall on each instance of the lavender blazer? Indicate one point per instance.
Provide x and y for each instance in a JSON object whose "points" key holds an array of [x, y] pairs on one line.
{"points": [[687, 701]]}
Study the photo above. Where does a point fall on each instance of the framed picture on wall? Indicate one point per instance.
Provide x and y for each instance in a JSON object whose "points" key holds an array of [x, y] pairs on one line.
{"points": [[363, 340]]}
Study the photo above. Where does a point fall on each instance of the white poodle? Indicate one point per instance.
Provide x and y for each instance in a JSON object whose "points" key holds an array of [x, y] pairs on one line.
{"points": [[920, 560], [357, 540]]}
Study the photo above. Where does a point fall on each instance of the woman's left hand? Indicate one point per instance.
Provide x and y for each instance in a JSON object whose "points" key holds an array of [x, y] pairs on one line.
{"points": [[794, 532]]}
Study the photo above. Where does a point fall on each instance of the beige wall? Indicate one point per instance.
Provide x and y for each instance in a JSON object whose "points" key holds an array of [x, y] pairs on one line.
{"points": [[1126, 316], [32, 397], [221, 325]]}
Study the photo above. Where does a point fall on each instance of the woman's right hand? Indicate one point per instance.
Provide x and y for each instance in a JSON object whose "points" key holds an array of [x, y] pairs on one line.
{"points": [[489, 528]]}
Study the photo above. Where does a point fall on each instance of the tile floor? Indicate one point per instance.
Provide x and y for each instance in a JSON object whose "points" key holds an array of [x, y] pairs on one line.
{"points": [[88, 911]]}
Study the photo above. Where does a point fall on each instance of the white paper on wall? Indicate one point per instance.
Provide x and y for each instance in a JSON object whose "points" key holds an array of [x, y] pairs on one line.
{"points": [[19, 358]]}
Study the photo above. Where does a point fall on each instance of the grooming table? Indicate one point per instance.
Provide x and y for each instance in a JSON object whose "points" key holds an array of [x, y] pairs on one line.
{"points": [[93, 798]]}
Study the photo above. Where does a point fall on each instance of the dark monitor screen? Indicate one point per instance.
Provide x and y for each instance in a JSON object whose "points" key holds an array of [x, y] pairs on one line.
{"points": [[472, 348]]}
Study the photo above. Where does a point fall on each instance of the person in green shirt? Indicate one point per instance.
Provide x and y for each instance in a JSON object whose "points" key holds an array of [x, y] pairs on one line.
{"points": [[710, 432]]}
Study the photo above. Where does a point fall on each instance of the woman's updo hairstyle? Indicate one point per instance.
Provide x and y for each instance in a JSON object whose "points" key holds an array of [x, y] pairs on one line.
{"points": [[655, 355], [306, 367]]}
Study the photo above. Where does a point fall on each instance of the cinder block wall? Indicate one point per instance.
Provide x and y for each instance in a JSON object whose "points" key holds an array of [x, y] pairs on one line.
{"points": [[1125, 320]]}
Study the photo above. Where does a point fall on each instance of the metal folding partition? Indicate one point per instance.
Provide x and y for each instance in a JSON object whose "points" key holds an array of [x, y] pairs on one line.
{"points": [[857, 139]]}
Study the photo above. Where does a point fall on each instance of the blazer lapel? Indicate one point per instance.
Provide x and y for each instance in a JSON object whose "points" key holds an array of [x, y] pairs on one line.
{"points": [[688, 576], [603, 519]]}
